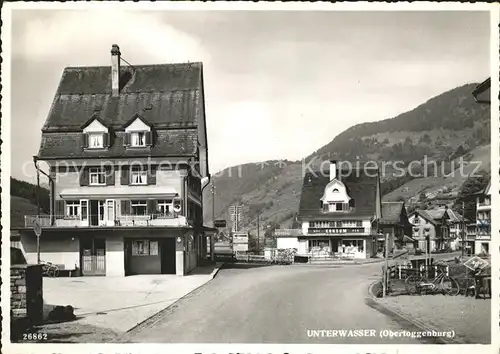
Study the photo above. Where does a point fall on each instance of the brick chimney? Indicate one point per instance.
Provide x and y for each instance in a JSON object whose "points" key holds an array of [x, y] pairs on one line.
{"points": [[115, 70]]}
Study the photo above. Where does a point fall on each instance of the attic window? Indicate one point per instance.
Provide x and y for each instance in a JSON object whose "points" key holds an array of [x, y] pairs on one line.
{"points": [[95, 140], [138, 139], [335, 190]]}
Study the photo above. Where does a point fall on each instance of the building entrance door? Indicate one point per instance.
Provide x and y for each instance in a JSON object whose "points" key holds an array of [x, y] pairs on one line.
{"points": [[93, 256]]}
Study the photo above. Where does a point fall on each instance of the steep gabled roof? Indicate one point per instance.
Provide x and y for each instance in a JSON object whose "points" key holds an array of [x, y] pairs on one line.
{"points": [[164, 95], [391, 212], [361, 186], [167, 97], [424, 214]]}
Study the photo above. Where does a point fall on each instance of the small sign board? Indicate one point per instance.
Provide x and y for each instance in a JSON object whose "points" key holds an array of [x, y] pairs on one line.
{"points": [[476, 263], [37, 228], [240, 238], [220, 223], [240, 247]]}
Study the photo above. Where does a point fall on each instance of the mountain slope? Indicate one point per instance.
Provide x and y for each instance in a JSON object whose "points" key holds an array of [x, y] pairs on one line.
{"points": [[443, 129]]}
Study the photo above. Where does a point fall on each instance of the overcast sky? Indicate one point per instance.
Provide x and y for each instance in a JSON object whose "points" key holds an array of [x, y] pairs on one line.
{"points": [[278, 85]]}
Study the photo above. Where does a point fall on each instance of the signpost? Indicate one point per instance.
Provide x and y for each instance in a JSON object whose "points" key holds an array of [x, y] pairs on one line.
{"points": [[476, 263], [37, 228], [240, 242]]}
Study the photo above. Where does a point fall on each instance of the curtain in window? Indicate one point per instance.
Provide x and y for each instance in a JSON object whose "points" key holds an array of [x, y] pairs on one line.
{"points": [[95, 140], [138, 139]]}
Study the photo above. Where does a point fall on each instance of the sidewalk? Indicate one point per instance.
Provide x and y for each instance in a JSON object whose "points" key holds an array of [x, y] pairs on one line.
{"points": [[120, 303], [469, 318]]}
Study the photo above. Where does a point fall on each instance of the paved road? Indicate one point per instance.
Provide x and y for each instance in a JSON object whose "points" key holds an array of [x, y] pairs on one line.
{"points": [[274, 304]]}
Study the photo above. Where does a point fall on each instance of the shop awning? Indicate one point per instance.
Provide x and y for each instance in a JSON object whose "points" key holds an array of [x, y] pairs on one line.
{"points": [[111, 192]]}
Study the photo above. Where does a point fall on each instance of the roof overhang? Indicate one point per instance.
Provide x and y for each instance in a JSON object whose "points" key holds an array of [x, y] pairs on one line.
{"points": [[110, 192]]}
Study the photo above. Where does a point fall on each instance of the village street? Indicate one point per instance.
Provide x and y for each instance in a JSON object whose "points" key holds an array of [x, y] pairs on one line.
{"points": [[274, 304]]}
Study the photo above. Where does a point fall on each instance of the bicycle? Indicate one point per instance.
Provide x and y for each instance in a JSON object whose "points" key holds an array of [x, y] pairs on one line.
{"points": [[411, 282], [441, 283], [49, 269]]}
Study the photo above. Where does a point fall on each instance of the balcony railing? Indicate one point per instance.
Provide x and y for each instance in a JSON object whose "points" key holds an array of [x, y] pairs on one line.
{"points": [[168, 219], [336, 230]]}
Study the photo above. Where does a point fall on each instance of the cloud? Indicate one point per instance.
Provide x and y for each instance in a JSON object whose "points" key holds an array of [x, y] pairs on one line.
{"points": [[64, 37]]}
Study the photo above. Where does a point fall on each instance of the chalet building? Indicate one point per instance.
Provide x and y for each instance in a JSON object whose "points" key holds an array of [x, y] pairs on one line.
{"points": [[432, 225], [338, 213], [457, 229], [483, 222], [470, 241], [395, 224], [127, 153]]}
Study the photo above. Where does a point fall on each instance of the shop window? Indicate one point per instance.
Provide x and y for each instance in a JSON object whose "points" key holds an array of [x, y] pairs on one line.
{"points": [[144, 248], [352, 246]]}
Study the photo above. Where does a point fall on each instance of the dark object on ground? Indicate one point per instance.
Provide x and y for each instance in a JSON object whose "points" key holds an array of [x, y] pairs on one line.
{"points": [[62, 314], [16, 256], [18, 326]]}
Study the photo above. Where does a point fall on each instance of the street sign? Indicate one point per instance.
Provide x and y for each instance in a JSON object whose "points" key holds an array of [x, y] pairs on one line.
{"points": [[240, 247], [220, 223], [37, 228], [476, 263], [240, 238]]}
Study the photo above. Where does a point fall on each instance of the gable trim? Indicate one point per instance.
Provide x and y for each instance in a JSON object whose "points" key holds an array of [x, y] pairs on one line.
{"points": [[95, 117], [134, 118]]}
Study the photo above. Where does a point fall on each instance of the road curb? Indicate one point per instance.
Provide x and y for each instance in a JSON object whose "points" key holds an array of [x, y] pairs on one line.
{"points": [[218, 267], [378, 305]]}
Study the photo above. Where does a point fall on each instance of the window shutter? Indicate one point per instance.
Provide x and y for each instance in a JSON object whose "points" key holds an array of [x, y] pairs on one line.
{"points": [[126, 139], [84, 176], [125, 207], [85, 140], [110, 175], [124, 181], [149, 138], [59, 208], [152, 175], [105, 140]]}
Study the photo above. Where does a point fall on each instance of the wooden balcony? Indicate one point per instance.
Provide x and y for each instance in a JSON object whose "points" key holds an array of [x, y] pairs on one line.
{"points": [[170, 219]]}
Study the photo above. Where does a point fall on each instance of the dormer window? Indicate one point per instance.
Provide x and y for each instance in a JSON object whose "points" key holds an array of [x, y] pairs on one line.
{"points": [[137, 133], [138, 139], [96, 140], [95, 134]]}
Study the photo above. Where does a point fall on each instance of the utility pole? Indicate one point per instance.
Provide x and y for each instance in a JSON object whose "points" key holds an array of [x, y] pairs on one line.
{"points": [[258, 232], [38, 214], [386, 255], [213, 202], [463, 229]]}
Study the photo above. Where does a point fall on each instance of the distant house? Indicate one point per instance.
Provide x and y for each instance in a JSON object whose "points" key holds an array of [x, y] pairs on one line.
{"points": [[430, 195], [394, 224], [457, 224], [338, 213], [470, 242], [431, 229], [483, 221], [127, 152]]}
